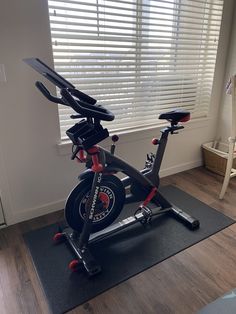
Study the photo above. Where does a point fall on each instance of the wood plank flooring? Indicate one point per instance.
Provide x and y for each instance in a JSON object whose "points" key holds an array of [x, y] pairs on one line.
{"points": [[181, 284]]}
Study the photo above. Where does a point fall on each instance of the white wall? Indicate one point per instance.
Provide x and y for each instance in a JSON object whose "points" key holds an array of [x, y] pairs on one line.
{"points": [[35, 176], [225, 113]]}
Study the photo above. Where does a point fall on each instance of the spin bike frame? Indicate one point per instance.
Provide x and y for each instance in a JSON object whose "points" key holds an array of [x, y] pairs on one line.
{"points": [[147, 178], [104, 162]]}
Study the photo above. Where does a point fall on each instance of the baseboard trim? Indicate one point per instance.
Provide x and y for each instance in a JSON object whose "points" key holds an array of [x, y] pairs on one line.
{"points": [[55, 206], [180, 168], [37, 211]]}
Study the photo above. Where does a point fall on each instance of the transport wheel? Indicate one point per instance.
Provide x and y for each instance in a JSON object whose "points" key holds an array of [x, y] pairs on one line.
{"points": [[58, 237], [74, 265], [110, 203]]}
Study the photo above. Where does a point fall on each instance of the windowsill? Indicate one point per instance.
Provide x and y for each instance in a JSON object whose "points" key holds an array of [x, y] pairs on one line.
{"points": [[127, 136]]}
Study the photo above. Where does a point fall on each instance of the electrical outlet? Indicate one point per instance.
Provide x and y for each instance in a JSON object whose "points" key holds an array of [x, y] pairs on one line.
{"points": [[3, 78]]}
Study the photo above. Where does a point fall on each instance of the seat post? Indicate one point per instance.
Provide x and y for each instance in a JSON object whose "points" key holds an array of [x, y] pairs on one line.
{"points": [[160, 151]]}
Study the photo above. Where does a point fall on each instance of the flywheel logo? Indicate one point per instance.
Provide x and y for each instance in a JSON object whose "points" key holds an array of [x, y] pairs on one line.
{"points": [[100, 209]]}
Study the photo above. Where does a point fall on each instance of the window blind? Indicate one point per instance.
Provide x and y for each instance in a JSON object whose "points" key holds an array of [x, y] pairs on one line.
{"points": [[138, 58]]}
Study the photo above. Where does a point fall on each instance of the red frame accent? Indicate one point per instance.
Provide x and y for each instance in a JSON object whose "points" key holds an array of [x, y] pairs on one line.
{"points": [[94, 151], [96, 167], [82, 156], [150, 196]]}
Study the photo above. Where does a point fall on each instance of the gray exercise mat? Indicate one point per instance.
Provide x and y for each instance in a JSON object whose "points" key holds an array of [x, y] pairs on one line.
{"points": [[121, 256]]}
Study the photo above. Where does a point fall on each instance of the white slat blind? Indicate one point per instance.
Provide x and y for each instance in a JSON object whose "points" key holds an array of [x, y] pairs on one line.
{"points": [[137, 57]]}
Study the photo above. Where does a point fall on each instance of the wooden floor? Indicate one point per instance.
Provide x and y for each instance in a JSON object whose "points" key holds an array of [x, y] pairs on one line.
{"points": [[181, 284]]}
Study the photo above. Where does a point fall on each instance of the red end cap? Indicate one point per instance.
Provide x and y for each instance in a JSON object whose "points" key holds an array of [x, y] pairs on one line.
{"points": [[154, 141], [185, 119]]}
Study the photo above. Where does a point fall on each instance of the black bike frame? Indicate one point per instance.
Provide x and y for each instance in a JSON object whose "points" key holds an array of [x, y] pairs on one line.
{"points": [[105, 163], [145, 177], [149, 179], [153, 174]]}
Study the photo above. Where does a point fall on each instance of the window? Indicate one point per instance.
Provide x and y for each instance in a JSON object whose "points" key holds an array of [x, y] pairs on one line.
{"points": [[137, 57]]}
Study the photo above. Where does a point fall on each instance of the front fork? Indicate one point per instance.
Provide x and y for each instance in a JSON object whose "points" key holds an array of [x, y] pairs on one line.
{"points": [[90, 209], [98, 160]]}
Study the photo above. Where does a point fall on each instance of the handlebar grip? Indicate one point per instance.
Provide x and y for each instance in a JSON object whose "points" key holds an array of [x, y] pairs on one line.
{"points": [[76, 116], [86, 109], [42, 88], [82, 96], [71, 101]]}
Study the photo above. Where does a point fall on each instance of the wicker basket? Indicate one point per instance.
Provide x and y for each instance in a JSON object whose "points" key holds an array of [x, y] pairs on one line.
{"points": [[216, 159]]}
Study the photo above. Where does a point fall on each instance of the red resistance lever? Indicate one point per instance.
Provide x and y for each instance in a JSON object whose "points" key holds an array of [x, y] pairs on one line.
{"points": [[94, 151]]}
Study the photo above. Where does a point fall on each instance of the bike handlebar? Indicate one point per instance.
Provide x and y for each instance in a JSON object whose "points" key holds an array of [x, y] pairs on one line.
{"points": [[47, 94], [82, 103], [82, 96], [86, 109]]}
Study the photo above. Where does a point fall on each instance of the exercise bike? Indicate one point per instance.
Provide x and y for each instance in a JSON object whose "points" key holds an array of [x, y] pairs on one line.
{"points": [[96, 202]]}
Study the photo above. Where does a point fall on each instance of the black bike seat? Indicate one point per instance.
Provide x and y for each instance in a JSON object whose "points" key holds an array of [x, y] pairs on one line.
{"points": [[175, 116]]}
